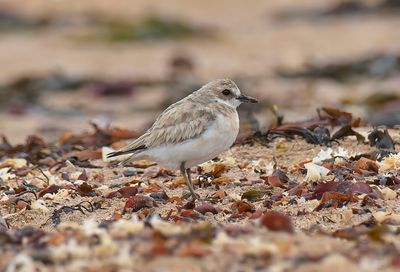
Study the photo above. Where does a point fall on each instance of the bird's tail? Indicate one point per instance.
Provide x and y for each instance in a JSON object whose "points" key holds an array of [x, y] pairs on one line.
{"points": [[132, 152], [133, 149], [118, 153]]}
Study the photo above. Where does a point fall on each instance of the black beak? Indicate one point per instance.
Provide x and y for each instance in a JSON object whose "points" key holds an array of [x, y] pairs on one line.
{"points": [[247, 99]]}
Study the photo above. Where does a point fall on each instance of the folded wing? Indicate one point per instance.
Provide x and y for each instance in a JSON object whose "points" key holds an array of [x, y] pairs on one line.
{"points": [[179, 122]]}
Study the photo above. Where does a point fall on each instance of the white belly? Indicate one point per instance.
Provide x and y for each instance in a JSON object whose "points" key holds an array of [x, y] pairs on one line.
{"points": [[216, 139]]}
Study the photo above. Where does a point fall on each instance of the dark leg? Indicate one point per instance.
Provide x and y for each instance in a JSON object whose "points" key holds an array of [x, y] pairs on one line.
{"points": [[186, 175]]}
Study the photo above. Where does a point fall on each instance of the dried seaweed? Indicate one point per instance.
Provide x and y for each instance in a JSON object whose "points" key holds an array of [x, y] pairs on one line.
{"points": [[316, 131], [341, 10], [381, 140], [56, 215], [378, 66]]}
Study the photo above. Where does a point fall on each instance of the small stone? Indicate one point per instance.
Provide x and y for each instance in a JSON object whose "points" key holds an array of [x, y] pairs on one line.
{"points": [[128, 173]]}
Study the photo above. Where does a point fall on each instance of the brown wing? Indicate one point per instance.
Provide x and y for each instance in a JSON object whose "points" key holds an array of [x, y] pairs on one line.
{"points": [[179, 122]]}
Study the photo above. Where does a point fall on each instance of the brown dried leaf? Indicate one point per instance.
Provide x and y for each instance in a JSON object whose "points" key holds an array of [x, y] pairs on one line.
{"points": [[142, 164], [276, 221], [242, 207], [361, 188], [330, 186], [124, 192], [337, 116], [83, 176], [159, 196], [175, 199], [333, 199], [153, 187], [190, 205], [253, 195], [222, 180], [85, 189], [87, 154], [298, 190], [139, 202], [190, 214], [178, 182], [365, 164], [344, 187], [52, 189], [156, 171], [21, 204], [218, 169], [120, 133], [274, 181], [219, 194], [205, 208]]}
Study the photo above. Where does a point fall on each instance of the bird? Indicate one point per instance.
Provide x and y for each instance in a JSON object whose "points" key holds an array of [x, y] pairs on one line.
{"points": [[191, 131]]}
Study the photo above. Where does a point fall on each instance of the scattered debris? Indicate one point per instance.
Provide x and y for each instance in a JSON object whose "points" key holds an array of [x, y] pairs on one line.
{"points": [[64, 183], [316, 131], [381, 140], [378, 66], [341, 10]]}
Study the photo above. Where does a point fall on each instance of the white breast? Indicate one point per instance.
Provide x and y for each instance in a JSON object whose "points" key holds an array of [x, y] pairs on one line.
{"points": [[218, 137]]}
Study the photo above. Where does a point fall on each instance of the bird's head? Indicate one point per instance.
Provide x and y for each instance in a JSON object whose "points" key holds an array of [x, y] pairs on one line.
{"points": [[227, 92]]}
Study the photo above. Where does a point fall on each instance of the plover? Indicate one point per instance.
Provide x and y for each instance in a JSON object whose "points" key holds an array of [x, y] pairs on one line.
{"points": [[191, 131]]}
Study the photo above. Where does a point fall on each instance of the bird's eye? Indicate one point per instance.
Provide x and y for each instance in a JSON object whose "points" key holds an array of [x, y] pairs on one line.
{"points": [[226, 92]]}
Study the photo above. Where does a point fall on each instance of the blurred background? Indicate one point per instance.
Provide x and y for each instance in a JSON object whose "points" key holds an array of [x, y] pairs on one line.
{"points": [[65, 64]]}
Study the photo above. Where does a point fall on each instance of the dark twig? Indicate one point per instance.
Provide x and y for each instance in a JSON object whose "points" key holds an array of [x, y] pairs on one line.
{"points": [[27, 192], [47, 178], [55, 217]]}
